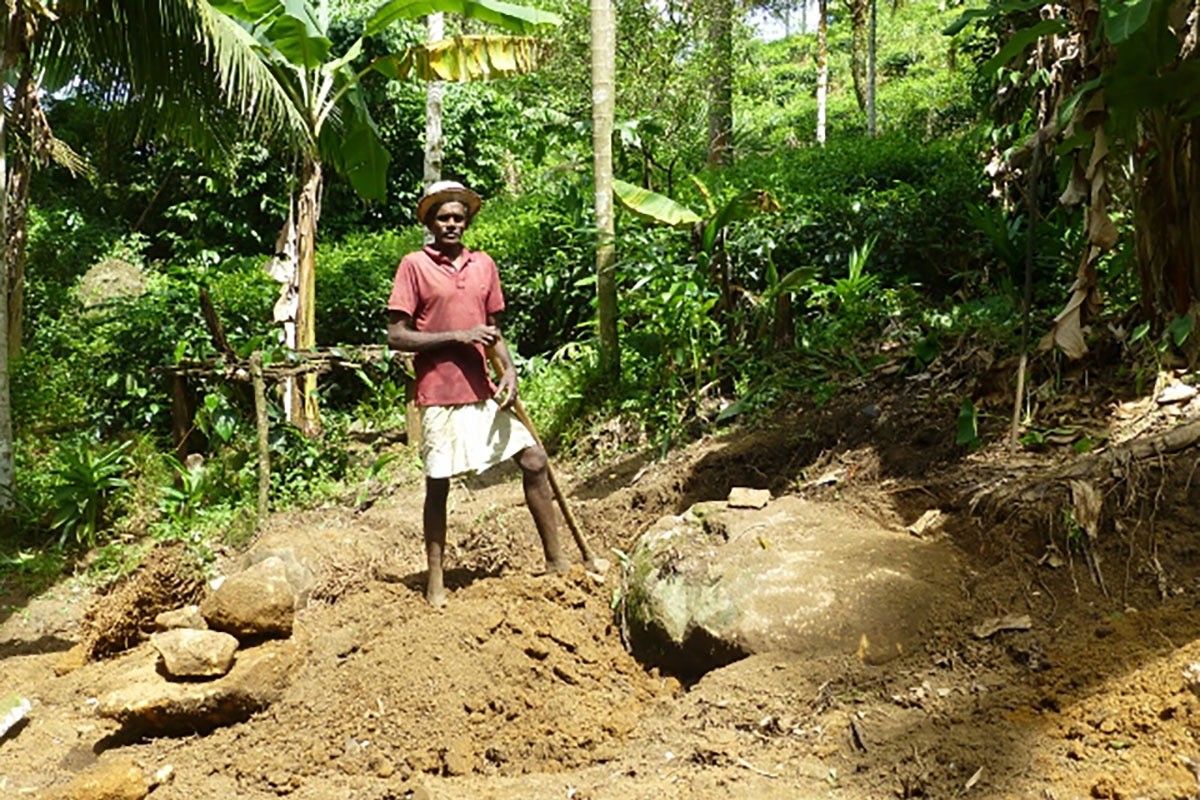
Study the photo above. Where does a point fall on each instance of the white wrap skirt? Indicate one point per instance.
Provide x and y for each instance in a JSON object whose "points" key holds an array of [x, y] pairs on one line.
{"points": [[469, 438]]}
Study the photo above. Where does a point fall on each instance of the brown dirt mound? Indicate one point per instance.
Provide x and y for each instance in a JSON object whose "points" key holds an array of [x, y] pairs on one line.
{"points": [[518, 675], [168, 578]]}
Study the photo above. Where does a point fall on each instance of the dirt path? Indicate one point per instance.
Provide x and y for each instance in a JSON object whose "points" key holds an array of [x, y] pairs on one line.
{"points": [[522, 688]]}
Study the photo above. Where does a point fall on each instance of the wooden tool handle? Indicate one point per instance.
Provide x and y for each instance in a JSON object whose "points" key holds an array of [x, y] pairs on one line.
{"points": [[518, 408]]}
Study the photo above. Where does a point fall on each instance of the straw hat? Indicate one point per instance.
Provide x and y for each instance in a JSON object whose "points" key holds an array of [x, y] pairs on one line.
{"points": [[445, 191]]}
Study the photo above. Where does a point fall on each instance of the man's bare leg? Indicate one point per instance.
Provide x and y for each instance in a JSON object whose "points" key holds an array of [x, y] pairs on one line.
{"points": [[535, 478], [436, 492]]}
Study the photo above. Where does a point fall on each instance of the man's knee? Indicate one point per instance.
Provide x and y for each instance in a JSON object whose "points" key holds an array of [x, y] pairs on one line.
{"points": [[532, 460]]}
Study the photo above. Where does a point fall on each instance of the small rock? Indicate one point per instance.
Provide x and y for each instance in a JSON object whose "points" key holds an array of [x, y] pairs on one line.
{"points": [[1105, 789], [162, 775], [1176, 393], [926, 523], [459, 757], [186, 617], [1009, 622], [258, 601], [73, 659], [381, 765], [1191, 677], [299, 575], [189, 653], [391, 573], [116, 779], [741, 497], [13, 709]]}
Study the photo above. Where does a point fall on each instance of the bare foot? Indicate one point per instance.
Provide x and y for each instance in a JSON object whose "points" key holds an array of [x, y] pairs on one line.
{"points": [[436, 597], [559, 567]]}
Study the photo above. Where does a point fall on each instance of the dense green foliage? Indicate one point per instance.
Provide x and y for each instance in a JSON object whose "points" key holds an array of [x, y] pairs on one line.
{"points": [[893, 243]]}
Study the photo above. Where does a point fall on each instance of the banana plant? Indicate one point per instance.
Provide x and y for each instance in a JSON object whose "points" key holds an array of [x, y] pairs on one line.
{"points": [[327, 120], [710, 228]]}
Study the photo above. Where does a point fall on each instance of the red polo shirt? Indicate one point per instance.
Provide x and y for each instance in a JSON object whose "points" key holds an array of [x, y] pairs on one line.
{"points": [[439, 297]]}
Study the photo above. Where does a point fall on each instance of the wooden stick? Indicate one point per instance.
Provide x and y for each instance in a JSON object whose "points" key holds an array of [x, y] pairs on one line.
{"points": [[264, 433], [518, 408]]}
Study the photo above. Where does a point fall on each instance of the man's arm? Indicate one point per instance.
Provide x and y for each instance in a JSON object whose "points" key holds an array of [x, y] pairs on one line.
{"points": [[506, 383], [403, 335]]}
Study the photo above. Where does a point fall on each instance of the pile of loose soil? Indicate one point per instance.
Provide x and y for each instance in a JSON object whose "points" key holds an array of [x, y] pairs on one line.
{"points": [[169, 577], [515, 676]]}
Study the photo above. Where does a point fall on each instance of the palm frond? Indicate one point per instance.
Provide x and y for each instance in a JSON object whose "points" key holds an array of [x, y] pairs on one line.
{"points": [[196, 72]]}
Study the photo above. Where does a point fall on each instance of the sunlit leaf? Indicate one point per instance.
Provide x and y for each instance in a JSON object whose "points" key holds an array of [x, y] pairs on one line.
{"points": [[796, 279], [364, 160], [747, 204], [968, 424], [652, 206], [510, 17], [1123, 18], [467, 58], [299, 40], [352, 52], [1179, 329]]}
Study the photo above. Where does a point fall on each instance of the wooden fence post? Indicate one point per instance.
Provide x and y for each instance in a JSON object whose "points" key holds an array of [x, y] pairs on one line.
{"points": [[264, 432]]}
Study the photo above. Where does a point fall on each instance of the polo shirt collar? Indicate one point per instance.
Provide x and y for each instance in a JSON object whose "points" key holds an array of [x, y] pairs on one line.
{"points": [[438, 257]]}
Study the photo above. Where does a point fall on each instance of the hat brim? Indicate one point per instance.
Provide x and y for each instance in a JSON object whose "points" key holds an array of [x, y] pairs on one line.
{"points": [[465, 196]]}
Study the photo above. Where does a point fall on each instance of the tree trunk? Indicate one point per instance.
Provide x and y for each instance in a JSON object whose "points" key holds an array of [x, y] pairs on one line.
{"points": [[305, 414], [435, 26], [603, 104], [1166, 227], [720, 99], [822, 67], [871, 41], [7, 473], [20, 175], [859, 11]]}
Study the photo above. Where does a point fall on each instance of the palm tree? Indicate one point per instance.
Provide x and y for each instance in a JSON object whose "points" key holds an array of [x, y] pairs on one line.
{"points": [[178, 58], [328, 117]]}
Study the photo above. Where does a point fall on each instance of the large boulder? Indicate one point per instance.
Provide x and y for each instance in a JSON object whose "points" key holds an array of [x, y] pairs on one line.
{"points": [[147, 703], [717, 583], [259, 601], [189, 653]]}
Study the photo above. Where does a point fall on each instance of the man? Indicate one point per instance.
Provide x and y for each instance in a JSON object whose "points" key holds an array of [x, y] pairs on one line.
{"points": [[444, 307]]}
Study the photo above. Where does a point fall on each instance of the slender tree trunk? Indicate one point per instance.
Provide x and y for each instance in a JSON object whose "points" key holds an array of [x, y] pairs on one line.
{"points": [[305, 414], [871, 41], [859, 12], [822, 67], [720, 99], [603, 105], [435, 27], [20, 174], [7, 473]]}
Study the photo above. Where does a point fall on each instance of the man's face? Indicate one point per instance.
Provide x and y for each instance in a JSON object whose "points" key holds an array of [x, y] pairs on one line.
{"points": [[448, 222]]}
